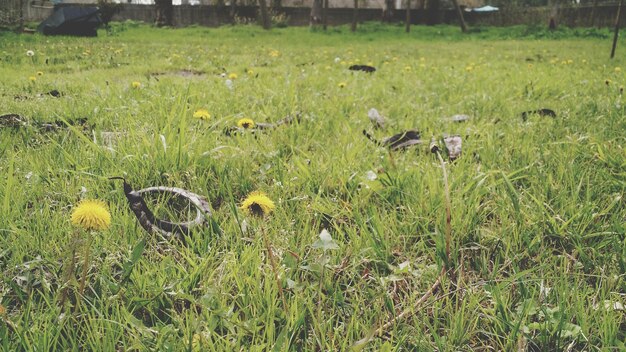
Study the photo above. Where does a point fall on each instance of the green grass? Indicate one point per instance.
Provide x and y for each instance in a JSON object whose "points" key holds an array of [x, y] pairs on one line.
{"points": [[538, 208]]}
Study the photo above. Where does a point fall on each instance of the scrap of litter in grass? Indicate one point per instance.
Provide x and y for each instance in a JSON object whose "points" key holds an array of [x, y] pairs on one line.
{"points": [[540, 112], [397, 141], [364, 68], [166, 228]]}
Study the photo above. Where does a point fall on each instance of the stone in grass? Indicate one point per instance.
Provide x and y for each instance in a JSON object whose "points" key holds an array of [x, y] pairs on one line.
{"points": [[459, 118], [376, 118], [454, 146]]}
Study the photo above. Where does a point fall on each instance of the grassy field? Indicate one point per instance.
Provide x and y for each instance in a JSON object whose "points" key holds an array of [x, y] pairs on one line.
{"points": [[537, 247]]}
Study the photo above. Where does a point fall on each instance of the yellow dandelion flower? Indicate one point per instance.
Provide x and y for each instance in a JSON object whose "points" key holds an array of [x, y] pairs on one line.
{"points": [[584, 61], [202, 114], [341, 84], [469, 68], [39, 73], [343, 63], [570, 61], [136, 85], [3, 310], [32, 78], [232, 76], [274, 53], [245, 123], [407, 68], [257, 203], [91, 215], [618, 69], [250, 72]]}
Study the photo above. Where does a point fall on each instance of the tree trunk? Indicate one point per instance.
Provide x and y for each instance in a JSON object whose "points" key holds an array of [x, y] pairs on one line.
{"points": [[460, 14], [265, 17], [407, 25], [277, 5], [619, 13], [233, 8], [325, 15], [21, 29], [316, 13], [553, 22], [355, 16], [594, 10], [164, 13], [388, 8]]}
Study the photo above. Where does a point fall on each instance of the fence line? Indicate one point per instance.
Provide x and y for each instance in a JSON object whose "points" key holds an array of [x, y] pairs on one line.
{"points": [[212, 15], [11, 13]]}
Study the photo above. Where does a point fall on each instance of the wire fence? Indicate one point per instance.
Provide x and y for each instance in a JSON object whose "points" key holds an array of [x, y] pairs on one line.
{"points": [[11, 13]]}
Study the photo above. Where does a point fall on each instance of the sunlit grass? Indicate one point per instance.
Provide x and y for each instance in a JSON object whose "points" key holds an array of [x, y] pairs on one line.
{"points": [[538, 209]]}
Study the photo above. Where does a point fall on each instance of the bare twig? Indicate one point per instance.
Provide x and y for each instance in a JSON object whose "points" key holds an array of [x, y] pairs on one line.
{"points": [[419, 302], [617, 20]]}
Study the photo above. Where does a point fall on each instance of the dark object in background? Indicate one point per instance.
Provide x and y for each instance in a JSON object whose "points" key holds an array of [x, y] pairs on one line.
{"points": [[397, 141], [365, 68], [540, 112], [55, 93], [16, 121], [59, 124], [72, 20], [12, 120]]}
